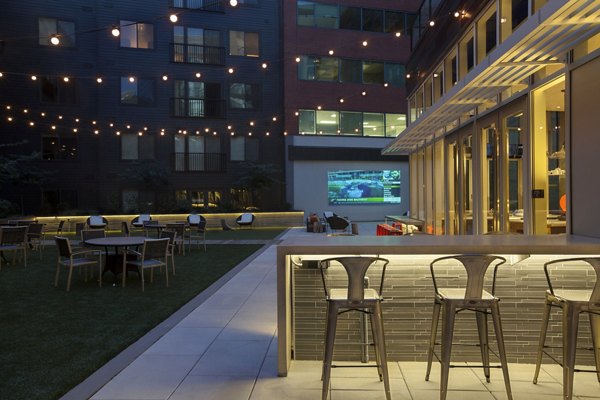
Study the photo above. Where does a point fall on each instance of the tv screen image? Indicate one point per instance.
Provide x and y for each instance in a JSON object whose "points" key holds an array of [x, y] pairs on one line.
{"points": [[363, 187]]}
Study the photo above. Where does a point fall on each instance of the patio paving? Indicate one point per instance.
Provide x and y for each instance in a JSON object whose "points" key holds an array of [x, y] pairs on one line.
{"points": [[223, 345]]}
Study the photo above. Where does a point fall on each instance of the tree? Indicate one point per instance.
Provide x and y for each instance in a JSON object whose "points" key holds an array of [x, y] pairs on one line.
{"points": [[18, 170], [257, 177]]}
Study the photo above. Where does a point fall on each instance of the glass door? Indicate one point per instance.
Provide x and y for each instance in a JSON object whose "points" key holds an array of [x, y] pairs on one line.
{"points": [[490, 179], [512, 216], [466, 183], [451, 225]]}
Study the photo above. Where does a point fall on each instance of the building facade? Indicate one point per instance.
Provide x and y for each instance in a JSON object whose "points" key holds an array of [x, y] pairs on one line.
{"points": [[182, 110], [344, 99], [501, 134]]}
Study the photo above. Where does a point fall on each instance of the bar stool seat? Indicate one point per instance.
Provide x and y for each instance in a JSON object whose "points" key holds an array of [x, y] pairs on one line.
{"points": [[573, 302], [471, 297], [354, 297]]}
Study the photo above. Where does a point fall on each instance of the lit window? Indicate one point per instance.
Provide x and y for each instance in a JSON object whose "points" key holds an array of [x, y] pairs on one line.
{"points": [[139, 92], [137, 35], [244, 96], [244, 44]]}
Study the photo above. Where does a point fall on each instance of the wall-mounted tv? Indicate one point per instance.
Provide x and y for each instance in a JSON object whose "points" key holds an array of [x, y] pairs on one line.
{"points": [[363, 187]]}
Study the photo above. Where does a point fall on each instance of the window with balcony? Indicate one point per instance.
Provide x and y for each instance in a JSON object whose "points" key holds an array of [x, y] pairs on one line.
{"points": [[197, 99], [48, 27], [137, 91], [206, 5], [244, 96], [197, 153], [198, 46], [57, 91], [137, 35], [244, 44]]}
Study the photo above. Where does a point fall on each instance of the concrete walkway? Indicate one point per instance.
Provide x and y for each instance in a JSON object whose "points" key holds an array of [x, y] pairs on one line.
{"points": [[223, 345]]}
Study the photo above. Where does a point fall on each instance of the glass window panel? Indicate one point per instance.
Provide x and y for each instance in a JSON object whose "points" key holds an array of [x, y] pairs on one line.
{"points": [[394, 74], [350, 18], [251, 44], [394, 124], [351, 71], [195, 90], [47, 28], [519, 12], [326, 16], [212, 38], [128, 37], [326, 68], [394, 22], [129, 147], [237, 148], [373, 72], [213, 145], [373, 124], [470, 54], [327, 122], [145, 37], [195, 144], [236, 43], [490, 34], [252, 146], [178, 34], [306, 121], [146, 147], [306, 68], [128, 91], [306, 13], [66, 30], [195, 36], [145, 92], [351, 123], [372, 20]]}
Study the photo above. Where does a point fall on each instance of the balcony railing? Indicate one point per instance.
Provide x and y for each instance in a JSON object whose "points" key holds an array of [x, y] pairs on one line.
{"points": [[197, 108], [203, 5], [191, 162], [197, 54]]}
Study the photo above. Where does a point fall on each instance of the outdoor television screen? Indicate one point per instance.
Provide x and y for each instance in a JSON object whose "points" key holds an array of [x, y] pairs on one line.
{"points": [[363, 187]]}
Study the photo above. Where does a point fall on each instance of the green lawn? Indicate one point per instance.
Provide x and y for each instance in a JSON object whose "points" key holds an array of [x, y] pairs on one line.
{"points": [[51, 340]]}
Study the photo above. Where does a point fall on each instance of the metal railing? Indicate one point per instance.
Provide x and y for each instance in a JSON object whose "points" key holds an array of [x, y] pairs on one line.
{"points": [[197, 108], [197, 54], [203, 5], [207, 162]]}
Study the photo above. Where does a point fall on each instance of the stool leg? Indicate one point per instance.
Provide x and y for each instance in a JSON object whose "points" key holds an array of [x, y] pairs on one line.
{"points": [[543, 331], [448, 315], [380, 348], [595, 328], [374, 336], [570, 325], [501, 349], [434, 324], [482, 328], [332, 313]]}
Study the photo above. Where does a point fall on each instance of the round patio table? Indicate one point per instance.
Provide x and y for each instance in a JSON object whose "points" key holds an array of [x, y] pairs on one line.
{"points": [[117, 242]]}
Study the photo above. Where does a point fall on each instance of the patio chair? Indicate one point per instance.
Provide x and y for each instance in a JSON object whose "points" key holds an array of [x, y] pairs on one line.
{"points": [[35, 237], [179, 241], [197, 233], [59, 228], [96, 222], [195, 219], [338, 224], [73, 259], [153, 255], [172, 235], [246, 219], [140, 220], [13, 239], [87, 234]]}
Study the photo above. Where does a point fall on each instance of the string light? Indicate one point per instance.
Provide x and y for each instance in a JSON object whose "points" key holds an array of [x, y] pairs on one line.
{"points": [[115, 31], [66, 79], [165, 77], [398, 34], [99, 79], [264, 65], [198, 75], [365, 43], [331, 52], [33, 78], [1, 74], [297, 59], [173, 18], [230, 70], [363, 93], [233, 3], [55, 40]]}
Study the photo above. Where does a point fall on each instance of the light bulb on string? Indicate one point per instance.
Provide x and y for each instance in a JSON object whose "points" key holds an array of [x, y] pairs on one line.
{"points": [[165, 77], [66, 79], [331, 52], [99, 79], [230, 70], [398, 34], [233, 3], [54, 40], [365, 43], [1, 74], [33, 78], [432, 23], [297, 59], [131, 79], [264, 65], [115, 31], [198, 75], [173, 18]]}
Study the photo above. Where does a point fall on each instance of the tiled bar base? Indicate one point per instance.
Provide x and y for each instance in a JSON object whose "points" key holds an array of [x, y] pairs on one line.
{"points": [[407, 309]]}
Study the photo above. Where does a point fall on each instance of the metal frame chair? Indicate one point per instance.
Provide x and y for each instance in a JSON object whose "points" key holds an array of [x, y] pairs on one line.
{"points": [[179, 240], [36, 236], [471, 297], [153, 255], [572, 302], [14, 238], [354, 297], [172, 235], [197, 233], [71, 259]]}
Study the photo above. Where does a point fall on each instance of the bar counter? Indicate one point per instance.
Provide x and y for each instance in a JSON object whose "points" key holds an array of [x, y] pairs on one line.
{"points": [[521, 287]]}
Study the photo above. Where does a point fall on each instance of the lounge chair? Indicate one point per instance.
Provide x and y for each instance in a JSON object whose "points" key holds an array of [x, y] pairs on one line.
{"points": [[246, 219]]}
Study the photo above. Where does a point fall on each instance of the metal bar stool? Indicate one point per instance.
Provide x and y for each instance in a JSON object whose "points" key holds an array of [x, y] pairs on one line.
{"points": [[572, 302], [471, 297], [354, 297]]}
